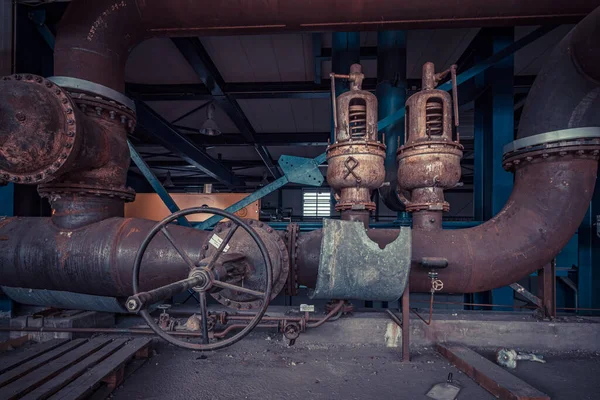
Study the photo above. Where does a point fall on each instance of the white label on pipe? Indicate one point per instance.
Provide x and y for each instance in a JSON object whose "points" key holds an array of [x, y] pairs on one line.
{"points": [[307, 308], [216, 241]]}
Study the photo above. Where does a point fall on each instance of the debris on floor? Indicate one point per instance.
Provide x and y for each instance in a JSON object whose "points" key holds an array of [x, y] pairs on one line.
{"points": [[444, 391], [508, 358]]}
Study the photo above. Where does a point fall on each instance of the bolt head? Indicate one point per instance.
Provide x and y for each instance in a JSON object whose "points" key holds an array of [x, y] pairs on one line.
{"points": [[132, 304]]}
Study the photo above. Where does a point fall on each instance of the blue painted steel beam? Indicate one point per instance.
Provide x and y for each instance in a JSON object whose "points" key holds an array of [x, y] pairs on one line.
{"points": [[7, 194], [589, 256], [494, 127], [7, 197], [391, 96], [38, 17], [198, 58], [391, 88], [296, 170], [478, 68], [155, 183], [184, 148]]}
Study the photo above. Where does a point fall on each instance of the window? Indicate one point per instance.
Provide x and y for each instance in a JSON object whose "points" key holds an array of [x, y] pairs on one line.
{"points": [[316, 203]]}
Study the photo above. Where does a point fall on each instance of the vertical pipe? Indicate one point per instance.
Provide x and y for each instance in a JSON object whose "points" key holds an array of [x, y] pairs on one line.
{"points": [[406, 324], [391, 97]]}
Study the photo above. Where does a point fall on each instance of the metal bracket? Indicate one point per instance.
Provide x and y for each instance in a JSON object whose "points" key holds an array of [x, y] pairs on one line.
{"points": [[301, 170], [295, 169], [352, 266]]}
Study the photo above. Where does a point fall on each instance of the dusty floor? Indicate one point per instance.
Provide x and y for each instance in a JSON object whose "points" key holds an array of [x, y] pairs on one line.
{"points": [[258, 368]]}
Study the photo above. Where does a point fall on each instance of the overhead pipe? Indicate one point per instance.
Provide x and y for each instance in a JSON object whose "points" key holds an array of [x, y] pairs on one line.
{"points": [[551, 192], [94, 38]]}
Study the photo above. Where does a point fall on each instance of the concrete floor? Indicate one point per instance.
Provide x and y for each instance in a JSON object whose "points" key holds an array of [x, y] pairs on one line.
{"points": [[259, 368], [263, 367]]}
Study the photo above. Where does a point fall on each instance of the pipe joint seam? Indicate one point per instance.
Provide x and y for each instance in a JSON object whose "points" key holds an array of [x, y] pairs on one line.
{"points": [[578, 142]]}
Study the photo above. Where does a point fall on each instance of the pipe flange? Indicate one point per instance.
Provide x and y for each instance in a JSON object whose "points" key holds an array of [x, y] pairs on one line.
{"points": [[81, 85], [52, 191], [430, 147], [370, 206], [281, 267], [412, 207], [59, 141], [355, 147], [577, 142], [104, 102]]}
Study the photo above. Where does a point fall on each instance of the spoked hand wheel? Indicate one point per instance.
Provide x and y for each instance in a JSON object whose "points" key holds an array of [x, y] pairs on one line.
{"points": [[204, 276]]}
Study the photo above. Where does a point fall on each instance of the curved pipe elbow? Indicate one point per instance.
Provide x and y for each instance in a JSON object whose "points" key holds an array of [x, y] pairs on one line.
{"points": [[545, 209]]}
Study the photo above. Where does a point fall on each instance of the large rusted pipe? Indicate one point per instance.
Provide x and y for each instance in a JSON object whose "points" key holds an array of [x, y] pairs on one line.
{"points": [[93, 259], [550, 195], [94, 38]]}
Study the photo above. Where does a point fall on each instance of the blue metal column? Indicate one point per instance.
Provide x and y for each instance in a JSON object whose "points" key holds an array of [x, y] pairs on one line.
{"points": [[345, 51], [589, 256], [391, 95], [494, 127], [7, 194]]}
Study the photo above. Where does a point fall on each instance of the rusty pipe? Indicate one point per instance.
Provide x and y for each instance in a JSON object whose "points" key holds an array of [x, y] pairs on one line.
{"points": [[94, 258], [95, 38], [549, 198]]}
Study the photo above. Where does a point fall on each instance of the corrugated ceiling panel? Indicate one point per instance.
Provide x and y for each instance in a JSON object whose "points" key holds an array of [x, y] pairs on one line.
{"points": [[443, 47], [262, 58], [228, 55], [158, 61]]}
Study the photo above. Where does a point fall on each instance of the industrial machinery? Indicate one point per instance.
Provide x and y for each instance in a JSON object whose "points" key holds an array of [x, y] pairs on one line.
{"points": [[68, 135]]}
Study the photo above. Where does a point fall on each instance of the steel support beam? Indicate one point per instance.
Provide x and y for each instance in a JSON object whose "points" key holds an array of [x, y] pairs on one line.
{"points": [[589, 256], [478, 68], [7, 195], [547, 289], [198, 58], [270, 90], [494, 127], [184, 148], [391, 97]]}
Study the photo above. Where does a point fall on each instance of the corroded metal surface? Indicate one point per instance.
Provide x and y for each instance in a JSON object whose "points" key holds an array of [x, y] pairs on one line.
{"points": [[355, 159], [354, 267], [429, 161], [94, 259], [254, 277], [70, 143], [106, 124], [40, 130]]}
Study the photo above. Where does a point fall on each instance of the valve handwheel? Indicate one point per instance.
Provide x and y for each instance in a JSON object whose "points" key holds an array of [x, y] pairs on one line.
{"points": [[202, 278]]}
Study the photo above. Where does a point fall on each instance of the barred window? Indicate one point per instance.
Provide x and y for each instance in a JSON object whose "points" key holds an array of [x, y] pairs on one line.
{"points": [[316, 203]]}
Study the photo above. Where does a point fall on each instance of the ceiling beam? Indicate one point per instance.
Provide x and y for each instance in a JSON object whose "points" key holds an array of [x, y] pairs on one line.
{"points": [[178, 144], [267, 90], [199, 60]]}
